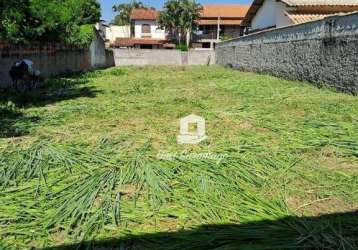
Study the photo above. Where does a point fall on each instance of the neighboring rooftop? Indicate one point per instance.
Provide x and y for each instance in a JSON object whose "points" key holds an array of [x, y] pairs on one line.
{"points": [[224, 10], [230, 14], [128, 42], [307, 10], [303, 18], [320, 2], [144, 14]]}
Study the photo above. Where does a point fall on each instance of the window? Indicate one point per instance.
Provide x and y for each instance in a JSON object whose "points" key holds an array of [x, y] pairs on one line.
{"points": [[206, 45], [145, 28], [146, 46]]}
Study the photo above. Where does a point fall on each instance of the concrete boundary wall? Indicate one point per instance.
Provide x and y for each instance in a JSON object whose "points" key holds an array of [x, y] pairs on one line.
{"points": [[323, 52], [55, 59], [163, 57]]}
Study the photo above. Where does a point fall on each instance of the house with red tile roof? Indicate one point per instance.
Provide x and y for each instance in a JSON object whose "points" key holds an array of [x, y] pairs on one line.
{"points": [[218, 21], [265, 14], [145, 32]]}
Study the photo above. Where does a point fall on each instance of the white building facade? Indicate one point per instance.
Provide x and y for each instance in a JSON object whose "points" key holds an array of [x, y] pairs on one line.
{"points": [[271, 14], [265, 14], [148, 29], [145, 32], [114, 31], [111, 32]]}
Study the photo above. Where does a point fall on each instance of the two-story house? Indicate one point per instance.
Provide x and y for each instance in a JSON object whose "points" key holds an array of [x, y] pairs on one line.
{"points": [[219, 22], [144, 32]]}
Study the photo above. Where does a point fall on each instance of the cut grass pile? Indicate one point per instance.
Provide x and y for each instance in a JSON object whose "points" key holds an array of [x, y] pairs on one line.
{"points": [[80, 161]]}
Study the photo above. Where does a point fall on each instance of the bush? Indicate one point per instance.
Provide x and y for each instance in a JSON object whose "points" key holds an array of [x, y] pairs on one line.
{"points": [[7, 108], [182, 47], [81, 35], [225, 38]]}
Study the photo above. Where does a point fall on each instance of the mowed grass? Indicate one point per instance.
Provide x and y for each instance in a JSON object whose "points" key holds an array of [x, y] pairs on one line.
{"points": [[80, 161]]}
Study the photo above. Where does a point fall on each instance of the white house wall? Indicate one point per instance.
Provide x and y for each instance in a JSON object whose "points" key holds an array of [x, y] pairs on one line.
{"points": [[270, 14], [281, 19], [155, 31], [114, 31]]}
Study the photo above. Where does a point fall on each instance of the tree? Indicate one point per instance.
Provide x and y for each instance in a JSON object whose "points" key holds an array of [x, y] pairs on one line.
{"points": [[13, 23], [179, 18], [124, 12], [90, 10], [48, 20], [79, 27]]}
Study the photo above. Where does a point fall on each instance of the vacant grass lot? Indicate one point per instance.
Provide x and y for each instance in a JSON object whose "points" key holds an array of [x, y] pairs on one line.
{"points": [[79, 161]]}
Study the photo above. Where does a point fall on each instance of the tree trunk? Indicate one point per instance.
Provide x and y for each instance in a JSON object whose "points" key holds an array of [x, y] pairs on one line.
{"points": [[188, 33], [179, 37]]}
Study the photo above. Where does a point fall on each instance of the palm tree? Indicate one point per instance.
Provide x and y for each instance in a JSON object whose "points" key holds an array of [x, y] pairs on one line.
{"points": [[124, 11], [179, 18]]}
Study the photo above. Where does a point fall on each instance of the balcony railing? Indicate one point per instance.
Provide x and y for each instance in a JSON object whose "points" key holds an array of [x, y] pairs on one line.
{"points": [[206, 35]]}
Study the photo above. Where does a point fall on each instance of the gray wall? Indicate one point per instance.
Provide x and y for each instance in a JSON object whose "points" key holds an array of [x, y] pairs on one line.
{"points": [[97, 51], [324, 52], [55, 59], [49, 60], [162, 57]]}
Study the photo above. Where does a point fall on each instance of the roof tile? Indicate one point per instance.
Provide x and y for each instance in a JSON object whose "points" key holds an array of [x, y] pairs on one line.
{"points": [[144, 14], [224, 10], [124, 42], [321, 2], [313, 6], [303, 18]]}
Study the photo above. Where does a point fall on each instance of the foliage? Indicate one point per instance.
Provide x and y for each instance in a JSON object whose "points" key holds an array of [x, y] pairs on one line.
{"points": [[182, 47], [89, 10], [225, 38], [49, 21], [179, 17], [89, 167], [13, 25], [124, 11], [81, 35]]}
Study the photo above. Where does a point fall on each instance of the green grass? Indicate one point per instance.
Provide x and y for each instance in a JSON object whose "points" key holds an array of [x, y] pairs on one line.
{"points": [[79, 162]]}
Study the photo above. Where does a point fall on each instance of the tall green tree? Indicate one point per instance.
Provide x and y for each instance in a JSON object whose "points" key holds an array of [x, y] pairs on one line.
{"points": [[179, 18], [124, 11], [14, 19], [90, 11], [48, 20]]}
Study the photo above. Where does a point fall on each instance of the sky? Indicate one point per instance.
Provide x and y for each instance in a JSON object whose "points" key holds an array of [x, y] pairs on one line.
{"points": [[107, 13]]}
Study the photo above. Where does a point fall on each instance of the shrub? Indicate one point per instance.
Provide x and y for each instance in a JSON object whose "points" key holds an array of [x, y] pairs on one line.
{"points": [[81, 35], [182, 47]]}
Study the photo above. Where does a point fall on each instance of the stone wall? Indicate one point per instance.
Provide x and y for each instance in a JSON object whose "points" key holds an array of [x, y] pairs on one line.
{"points": [[323, 52], [163, 57], [54, 59]]}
